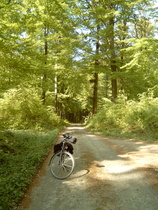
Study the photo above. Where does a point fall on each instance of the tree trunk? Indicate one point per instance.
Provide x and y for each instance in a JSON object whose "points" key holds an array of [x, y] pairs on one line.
{"points": [[56, 94], [45, 73], [113, 61], [95, 87], [95, 93]]}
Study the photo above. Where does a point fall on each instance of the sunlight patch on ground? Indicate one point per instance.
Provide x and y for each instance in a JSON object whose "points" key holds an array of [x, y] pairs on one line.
{"points": [[102, 173], [119, 166], [117, 170], [123, 171], [75, 128], [90, 135], [146, 155]]}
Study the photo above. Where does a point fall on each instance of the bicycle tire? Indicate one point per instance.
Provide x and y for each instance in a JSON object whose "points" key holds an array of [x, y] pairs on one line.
{"points": [[62, 165]]}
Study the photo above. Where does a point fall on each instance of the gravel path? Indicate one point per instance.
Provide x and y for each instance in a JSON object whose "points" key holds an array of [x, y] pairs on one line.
{"points": [[110, 174]]}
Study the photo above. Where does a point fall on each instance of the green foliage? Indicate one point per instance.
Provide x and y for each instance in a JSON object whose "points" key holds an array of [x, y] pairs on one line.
{"points": [[142, 116], [140, 70], [131, 117], [23, 109], [41, 41], [50, 45], [21, 154]]}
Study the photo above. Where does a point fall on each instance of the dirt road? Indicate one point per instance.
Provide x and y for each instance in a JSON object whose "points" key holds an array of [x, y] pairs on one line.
{"points": [[110, 174]]}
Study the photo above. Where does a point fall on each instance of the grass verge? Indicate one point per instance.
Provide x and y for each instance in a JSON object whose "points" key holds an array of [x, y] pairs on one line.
{"points": [[116, 133], [21, 155]]}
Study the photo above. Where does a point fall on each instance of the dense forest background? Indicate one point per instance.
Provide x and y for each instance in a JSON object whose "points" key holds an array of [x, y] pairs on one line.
{"points": [[79, 60]]}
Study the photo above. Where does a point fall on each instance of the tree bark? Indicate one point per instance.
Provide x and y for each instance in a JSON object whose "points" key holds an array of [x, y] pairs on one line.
{"points": [[113, 61], [44, 79], [95, 93], [95, 87]]}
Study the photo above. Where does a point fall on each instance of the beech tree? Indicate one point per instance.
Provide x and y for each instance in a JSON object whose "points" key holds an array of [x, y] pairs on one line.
{"points": [[75, 53], [119, 21]]}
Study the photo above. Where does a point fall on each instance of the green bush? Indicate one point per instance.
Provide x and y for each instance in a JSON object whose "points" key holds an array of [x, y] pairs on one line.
{"points": [[23, 109], [21, 154], [132, 117], [142, 116]]}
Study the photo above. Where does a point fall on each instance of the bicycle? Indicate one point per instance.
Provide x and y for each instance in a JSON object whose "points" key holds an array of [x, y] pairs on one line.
{"points": [[62, 162]]}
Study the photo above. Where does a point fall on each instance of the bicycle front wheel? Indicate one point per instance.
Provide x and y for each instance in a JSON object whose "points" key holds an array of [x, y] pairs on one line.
{"points": [[62, 165]]}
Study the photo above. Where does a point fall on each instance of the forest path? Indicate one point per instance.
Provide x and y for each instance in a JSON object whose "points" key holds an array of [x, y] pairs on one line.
{"points": [[110, 174]]}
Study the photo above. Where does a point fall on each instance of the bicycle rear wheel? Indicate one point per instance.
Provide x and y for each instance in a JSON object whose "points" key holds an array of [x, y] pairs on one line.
{"points": [[62, 165]]}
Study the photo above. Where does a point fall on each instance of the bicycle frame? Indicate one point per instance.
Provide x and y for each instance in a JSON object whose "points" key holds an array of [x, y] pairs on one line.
{"points": [[65, 140], [62, 162]]}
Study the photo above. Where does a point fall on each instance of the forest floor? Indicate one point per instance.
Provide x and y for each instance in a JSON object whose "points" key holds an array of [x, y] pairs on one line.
{"points": [[110, 174]]}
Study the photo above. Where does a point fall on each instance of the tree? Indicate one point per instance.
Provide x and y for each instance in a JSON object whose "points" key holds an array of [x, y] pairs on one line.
{"points": [[75, 53]]}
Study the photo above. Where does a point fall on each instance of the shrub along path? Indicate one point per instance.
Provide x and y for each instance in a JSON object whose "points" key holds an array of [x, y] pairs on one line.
{"points": [[110, 173], [21, 155]]}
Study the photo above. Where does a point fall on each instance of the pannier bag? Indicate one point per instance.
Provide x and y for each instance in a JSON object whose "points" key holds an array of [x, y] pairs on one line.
{"points": [[68, 147]]}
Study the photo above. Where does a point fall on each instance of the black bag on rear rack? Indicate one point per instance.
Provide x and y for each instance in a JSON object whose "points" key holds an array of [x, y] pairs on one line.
{"points": [[68, 147]]}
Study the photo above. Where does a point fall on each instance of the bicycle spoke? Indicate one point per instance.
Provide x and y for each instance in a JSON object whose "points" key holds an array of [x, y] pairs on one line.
{"points": [[68, 168], [62, 162], [62, 165]]}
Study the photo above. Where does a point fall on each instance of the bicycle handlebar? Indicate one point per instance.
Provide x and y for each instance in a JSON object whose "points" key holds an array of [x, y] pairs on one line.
{"points": [[66, 136]]}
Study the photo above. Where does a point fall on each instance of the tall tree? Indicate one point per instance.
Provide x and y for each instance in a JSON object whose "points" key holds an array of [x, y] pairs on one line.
{"points": [[58, 47]]}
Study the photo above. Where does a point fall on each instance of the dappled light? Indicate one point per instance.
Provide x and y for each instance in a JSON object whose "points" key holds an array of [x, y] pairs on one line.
{"points": [[118, 167], [124, 168], [145, 156], [114, 170], [93, 63], [90, 135], [75, 127], [108, 174]]}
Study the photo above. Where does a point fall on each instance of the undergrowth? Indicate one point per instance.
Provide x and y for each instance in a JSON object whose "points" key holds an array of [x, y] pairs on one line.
{"points": [[23, 109], [134, 119], [21, 155]]}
